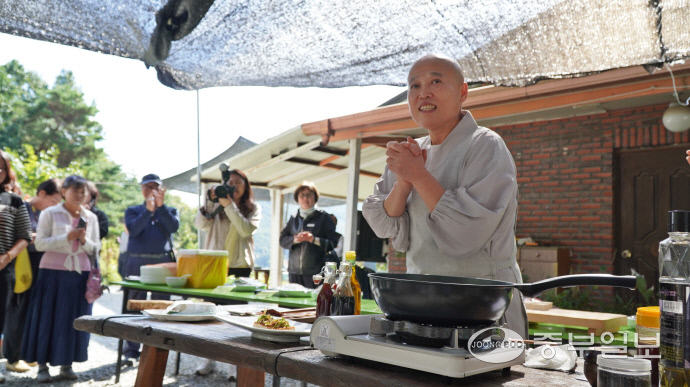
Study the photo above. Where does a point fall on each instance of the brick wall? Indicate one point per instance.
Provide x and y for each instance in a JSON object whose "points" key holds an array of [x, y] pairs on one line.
{"points": [[566, 179]]}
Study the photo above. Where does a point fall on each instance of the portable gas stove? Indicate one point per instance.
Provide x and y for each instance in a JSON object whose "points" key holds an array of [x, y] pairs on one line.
{"points": [[439, 350]]}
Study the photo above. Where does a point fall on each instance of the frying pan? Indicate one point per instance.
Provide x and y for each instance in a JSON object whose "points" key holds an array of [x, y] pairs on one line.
{"points": [[461, 301]]}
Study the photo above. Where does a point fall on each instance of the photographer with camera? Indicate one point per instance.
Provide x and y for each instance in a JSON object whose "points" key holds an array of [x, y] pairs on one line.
{"points": [[230, 217]]}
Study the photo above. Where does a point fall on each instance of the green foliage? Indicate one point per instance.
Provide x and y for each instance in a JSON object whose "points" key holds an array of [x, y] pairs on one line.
{"points": [[186, 235], [34, 168], [51, 132], [46, 118], [110, 252]]}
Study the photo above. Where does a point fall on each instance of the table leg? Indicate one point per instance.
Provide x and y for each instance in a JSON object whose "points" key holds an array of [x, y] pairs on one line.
{"points": [[247, 377], [118, 364], [151, 367]]}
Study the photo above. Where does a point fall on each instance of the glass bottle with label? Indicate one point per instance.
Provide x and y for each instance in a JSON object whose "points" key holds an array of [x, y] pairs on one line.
{"points": [[351, 257], [343, 301], [323, 300], [674, 293]]}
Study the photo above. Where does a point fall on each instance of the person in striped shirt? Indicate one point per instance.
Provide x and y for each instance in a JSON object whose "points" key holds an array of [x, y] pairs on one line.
{"points": [[15, 234]]}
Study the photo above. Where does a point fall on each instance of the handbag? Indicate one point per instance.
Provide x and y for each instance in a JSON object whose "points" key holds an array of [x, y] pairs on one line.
{"points": [[23, 274], [94, 289]]}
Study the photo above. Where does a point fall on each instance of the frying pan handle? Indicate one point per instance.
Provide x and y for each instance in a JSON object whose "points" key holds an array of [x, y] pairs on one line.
{"points": [[534, 289]]}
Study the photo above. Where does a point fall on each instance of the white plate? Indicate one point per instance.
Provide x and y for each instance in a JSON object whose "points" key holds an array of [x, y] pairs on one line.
{"points": [[247, 322], [160, 314]]}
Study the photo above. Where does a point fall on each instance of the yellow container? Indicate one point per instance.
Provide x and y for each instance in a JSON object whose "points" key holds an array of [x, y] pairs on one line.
{"points": [[208, 268], [648, 321]]}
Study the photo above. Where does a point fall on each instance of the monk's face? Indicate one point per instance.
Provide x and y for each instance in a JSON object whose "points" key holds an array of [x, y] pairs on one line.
{"points": [[436, 92]]}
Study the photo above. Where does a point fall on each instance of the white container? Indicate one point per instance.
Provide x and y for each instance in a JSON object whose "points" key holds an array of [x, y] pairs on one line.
{"points": [[623, 372], [154, 275]]}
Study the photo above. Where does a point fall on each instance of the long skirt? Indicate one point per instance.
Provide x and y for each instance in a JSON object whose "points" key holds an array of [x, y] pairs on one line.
{"points": [[17, 309], [57, 300]]}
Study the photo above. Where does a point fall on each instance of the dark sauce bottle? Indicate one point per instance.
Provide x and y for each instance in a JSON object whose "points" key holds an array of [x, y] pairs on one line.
{"points": [[343, 301], [323, 300]]}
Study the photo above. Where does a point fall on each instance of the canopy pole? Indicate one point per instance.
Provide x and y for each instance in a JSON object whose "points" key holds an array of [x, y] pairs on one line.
{"points": [[198, 164], [350, 239], [276, 262]]}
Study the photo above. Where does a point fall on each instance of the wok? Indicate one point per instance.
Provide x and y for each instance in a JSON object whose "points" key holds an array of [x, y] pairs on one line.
{"points": [[461, 301]]}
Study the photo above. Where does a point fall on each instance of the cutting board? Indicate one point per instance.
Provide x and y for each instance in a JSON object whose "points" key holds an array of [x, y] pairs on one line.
{"points": [[595, 322]]}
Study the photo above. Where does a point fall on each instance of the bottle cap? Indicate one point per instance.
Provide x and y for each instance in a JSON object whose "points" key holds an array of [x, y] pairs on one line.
{"points": [[624, 364], [678, 221], [648, 316], [350, 256]]}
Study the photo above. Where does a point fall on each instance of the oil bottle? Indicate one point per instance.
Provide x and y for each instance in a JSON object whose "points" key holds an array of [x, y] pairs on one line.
{"points": [[351, 257], [674, 289], [343, 301]]}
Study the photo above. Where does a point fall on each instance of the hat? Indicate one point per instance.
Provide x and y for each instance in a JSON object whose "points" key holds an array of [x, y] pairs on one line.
{"points": [[151, 178]]}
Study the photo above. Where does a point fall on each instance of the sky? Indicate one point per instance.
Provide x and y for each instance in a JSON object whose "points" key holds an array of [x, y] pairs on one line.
{"points": [[150, 128]]}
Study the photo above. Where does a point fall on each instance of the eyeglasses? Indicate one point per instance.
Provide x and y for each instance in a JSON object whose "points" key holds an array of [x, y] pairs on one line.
{"points": [[306, 196]]}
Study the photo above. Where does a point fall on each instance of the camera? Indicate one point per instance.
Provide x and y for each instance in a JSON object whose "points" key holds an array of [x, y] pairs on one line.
{"points": [[224, 190]]}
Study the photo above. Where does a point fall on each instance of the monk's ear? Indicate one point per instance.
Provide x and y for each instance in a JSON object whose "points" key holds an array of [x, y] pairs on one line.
{"points": [[463, 96]]}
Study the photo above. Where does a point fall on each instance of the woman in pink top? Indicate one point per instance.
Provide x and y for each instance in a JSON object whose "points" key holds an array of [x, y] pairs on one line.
{"points": [[59, 291]]}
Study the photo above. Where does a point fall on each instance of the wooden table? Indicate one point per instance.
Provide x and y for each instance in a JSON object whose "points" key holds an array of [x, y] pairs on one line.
{"points": [[227, 343], [368, 307]]}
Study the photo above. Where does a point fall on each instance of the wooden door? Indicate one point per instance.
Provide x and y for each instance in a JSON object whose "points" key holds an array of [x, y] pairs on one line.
{"points": [[651, 183]]}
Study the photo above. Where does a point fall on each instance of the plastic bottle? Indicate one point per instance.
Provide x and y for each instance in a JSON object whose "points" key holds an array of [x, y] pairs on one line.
{"points": [[343, 301], [323, 300], [674, 289], [647, 321], [351, 257], [625, 372]]}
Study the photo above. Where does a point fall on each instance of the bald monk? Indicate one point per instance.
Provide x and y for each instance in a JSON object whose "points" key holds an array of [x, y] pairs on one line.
{"points": [[449, 200]]}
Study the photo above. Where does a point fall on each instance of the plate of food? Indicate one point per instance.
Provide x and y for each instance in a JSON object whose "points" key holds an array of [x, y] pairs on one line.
{"points": [[267, 327], [185, 311]]}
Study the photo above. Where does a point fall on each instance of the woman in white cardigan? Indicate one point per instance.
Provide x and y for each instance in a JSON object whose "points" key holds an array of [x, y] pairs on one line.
{"points": [[59, 291]]}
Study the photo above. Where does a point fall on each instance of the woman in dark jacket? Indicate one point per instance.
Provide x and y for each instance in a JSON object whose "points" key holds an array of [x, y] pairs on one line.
{"points": [[308, 235]]}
